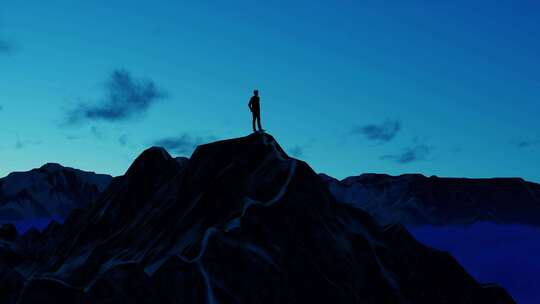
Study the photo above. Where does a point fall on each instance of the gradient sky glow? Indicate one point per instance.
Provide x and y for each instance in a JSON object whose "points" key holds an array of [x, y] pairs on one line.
{"points": [[461, 79]]}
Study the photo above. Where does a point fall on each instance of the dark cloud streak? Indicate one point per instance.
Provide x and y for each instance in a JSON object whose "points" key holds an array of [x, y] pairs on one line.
{"points": [[409, 155], [383, 132], [125, 98]]}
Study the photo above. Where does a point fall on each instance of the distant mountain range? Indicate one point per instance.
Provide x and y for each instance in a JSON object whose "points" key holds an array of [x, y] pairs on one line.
{"points": [[238, 222], [414, 199], [47, 192], [52, 191]]}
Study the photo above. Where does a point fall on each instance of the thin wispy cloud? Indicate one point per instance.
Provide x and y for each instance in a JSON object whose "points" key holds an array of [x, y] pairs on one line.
{"points": [[5, 47], [296, 151], [18, 143], [123, 140], [72, 137], [21, 144], [96, 132], [383, 132], [415, 153], [125, 98], [525, 143], [184, 144]]}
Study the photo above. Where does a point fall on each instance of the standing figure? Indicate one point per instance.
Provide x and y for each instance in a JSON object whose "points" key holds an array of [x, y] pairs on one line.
{"points": [[255, 107]]}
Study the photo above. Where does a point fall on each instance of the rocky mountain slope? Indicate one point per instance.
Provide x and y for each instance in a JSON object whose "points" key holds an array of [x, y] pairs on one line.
{"points": [[414, 199], [238, 222], [49, 191]]}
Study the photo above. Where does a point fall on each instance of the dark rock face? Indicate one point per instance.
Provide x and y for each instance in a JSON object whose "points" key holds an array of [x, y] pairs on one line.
{"points": [[239, 222], [414, 199], [8, 232], [11, 284], [52, 190]]}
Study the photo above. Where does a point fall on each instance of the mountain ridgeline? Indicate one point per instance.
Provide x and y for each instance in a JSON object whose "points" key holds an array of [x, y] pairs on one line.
{"points": [[238, 222], [414, 199], [47, 192]]}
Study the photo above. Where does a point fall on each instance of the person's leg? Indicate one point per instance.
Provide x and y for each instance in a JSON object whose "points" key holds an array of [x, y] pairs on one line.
{"points": [[253, 122], [259, 121]]}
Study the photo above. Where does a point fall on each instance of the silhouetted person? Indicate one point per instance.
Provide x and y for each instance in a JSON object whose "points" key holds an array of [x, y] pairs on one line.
{"points": [[255, 107]]}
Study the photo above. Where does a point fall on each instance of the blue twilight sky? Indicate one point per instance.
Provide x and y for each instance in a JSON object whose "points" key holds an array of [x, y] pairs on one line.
{"points": [[447, 88]]}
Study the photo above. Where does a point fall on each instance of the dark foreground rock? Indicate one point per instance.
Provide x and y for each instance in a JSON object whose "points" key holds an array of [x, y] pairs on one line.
{"points": [[239, 222]]}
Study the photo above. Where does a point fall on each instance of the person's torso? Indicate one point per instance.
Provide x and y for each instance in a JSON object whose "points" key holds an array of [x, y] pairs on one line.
{"points": [[255, 102]]}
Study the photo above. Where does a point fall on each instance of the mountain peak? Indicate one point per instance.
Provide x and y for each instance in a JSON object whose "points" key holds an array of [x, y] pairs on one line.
{"points": [[52, 167], [253, 145], [155, 152], [153, 158]]}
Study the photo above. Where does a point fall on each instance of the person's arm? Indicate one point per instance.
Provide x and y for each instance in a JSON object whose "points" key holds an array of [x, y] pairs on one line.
{"points": [[250, 104]]}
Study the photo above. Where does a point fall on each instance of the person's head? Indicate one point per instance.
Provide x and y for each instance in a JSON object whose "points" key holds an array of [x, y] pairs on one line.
{"points": [[256, 92]]}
